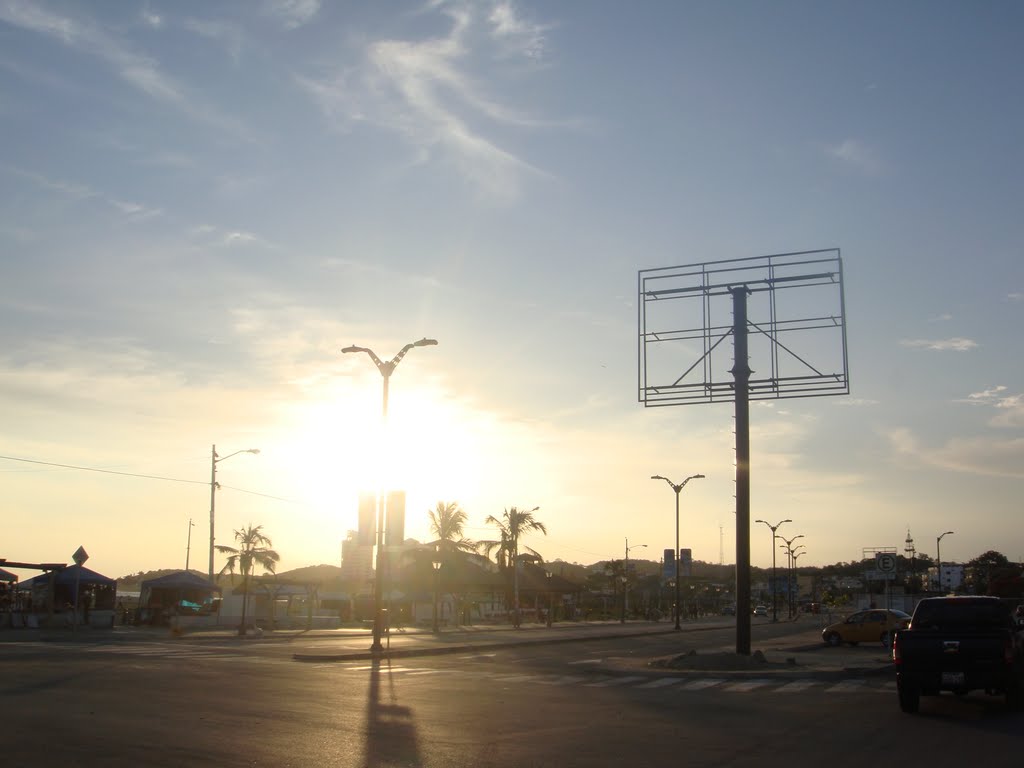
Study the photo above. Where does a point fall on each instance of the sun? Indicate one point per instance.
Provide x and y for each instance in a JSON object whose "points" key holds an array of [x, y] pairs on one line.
{"points": [[333, 449]]}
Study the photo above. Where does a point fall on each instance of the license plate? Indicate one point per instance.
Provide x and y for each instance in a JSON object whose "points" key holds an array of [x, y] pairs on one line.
{"points": [[952, 678]]}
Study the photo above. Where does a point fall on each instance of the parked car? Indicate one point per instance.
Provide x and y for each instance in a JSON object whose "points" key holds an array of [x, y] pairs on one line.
{"points": [[875, 625], [760, 610]]}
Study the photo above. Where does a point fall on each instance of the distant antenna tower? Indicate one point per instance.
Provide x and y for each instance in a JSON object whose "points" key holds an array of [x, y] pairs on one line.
{"points": [[721, 546]]}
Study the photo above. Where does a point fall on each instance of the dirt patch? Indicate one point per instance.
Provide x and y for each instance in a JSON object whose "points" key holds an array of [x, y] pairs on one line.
{"points": [[722, 661]]}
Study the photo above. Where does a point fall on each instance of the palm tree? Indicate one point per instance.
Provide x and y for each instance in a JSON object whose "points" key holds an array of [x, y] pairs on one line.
{"points": [[513, 525], [446, 523], [253, 549]]}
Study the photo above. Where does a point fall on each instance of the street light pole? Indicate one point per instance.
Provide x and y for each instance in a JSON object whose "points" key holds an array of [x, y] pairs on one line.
{"points": [[386, 369], [214, 461], [437, 582], [775, 586], [677, 487], [626, 571], [938, 555], [188, 543], [789, 562]]}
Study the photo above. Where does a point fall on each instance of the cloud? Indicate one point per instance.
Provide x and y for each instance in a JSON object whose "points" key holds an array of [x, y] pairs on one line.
{"points": [[76, 191], [973, 455], [139, 71], [944, 317], [431, 92], [856, 155], [225, 33], [292, 13], [1015, 296], [955, 344], [1010, 408], [855, 402]]}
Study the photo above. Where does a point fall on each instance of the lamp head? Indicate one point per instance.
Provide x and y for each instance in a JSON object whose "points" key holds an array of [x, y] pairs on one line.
{"points": [[424, 342]]}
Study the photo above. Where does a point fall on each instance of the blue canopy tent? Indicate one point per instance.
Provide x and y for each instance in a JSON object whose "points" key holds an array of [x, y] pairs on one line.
{"points": [[177, 593], [55, 591]]}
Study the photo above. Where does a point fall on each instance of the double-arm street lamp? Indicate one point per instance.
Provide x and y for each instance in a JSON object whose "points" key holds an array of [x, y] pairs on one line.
{"points": [[386, 369], [677, 487], [437, 582], [788, 546], [214, 461], [625, 569], [775, 586], [938, 555]]}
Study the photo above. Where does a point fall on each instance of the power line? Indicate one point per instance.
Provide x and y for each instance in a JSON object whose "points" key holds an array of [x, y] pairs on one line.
{"points": [[105, 471], [146, 477]]}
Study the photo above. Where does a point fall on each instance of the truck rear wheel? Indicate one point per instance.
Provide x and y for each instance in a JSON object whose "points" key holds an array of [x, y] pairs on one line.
{"points": [[910, 698]]}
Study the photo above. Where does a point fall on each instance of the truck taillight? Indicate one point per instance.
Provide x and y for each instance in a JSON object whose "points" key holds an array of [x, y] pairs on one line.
{"points": [[896, 657]]}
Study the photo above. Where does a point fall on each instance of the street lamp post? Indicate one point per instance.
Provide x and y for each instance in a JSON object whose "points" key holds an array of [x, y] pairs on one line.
{"points": [[625, 569], [551, 599], [677, 487], [214, 461], [515, 575], [386, 369], [775, 586], [789, 562], [938, 556], [188, 543], [437, 583]]}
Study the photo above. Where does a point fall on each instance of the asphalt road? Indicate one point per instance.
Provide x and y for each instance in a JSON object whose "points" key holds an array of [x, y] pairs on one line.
{"points": [[588, 703]]}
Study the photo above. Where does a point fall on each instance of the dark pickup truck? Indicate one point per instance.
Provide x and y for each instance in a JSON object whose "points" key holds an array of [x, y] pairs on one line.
{"points": [[960, 644]]}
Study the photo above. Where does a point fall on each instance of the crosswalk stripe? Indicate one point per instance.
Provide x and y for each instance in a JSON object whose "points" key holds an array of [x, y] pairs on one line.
{"points": [[746, 685], [796, 686], [699, 685], [846, 686], [563, 680], [614, 681], [661, 682]]}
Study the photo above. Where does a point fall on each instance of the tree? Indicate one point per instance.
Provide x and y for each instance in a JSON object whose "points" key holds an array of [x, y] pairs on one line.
{"points": [[513, 525], [446, 523], [253, 549], [987, 568]]}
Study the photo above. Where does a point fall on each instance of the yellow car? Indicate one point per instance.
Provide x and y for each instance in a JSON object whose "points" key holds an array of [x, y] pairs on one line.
{"points": [[871, 626]]}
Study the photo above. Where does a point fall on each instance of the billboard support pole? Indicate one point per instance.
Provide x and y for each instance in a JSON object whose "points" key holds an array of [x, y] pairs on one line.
{"points": [[741, 376]]}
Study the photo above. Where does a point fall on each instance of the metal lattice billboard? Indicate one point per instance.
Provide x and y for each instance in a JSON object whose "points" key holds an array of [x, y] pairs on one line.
{"points": [[797, 338]]}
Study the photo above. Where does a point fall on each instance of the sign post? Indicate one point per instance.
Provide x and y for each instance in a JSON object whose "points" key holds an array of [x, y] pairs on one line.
{"points": [[79, 557]]}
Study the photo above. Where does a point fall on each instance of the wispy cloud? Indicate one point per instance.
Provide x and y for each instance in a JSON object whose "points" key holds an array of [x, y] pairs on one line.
{"points": [[292, 13], [139, 71], [855, 154], [941, 345], [424, 90], [225, 33], [974, 455], [1015, 296], [943, 318], [76, 191], [1009, 408], [210, 235]]}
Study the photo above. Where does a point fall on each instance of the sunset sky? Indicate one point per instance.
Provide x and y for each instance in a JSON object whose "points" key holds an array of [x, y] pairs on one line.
{"points": [[203, 203]]}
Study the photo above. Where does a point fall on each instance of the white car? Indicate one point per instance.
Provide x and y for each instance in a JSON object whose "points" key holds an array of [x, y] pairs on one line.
{"points": [[760, 610]]}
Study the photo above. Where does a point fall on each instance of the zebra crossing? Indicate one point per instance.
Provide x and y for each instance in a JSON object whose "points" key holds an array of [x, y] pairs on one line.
{"points": [[640, 682]]}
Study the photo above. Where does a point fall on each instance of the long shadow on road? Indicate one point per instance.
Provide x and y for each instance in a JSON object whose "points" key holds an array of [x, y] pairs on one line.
{"points": [[390, 728]]}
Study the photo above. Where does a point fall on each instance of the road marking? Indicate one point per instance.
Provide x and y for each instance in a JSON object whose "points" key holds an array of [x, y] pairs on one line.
{"points": [[587, 661], [515, 678], [797, 686], [563, 680], [615, 681], [746, 685], [847, 686], [699, 685], [661, 682]]}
